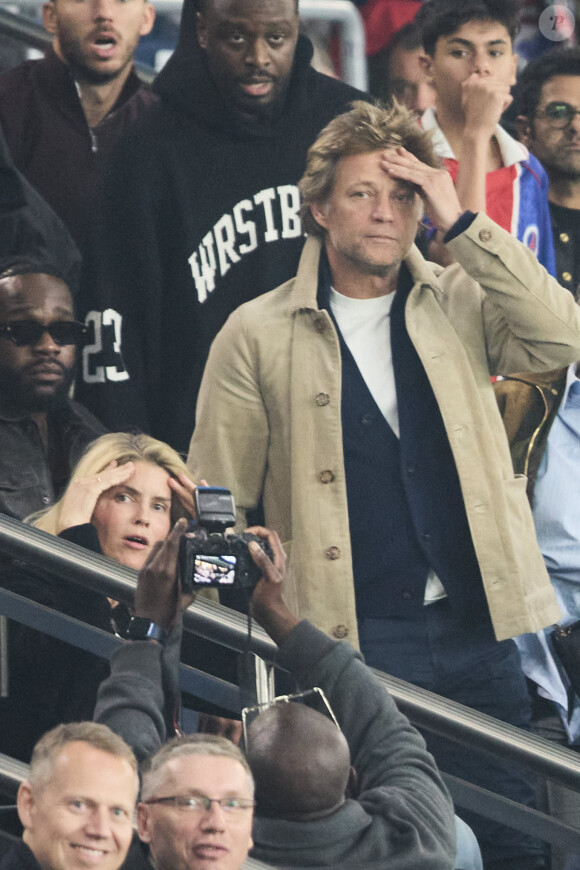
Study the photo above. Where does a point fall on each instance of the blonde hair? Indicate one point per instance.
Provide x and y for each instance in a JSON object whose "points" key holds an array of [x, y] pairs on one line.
{"points": [[94, 733], [364, 128], [124, 447]]}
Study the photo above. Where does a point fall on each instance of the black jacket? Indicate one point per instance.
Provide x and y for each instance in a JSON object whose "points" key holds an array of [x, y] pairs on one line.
{"points": [[26, 482], [50, 141], [198, 214], [51, 681], [19, 857], [29, 227]]}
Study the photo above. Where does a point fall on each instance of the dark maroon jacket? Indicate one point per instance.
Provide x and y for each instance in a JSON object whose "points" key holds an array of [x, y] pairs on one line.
{"points": [[49, 138]]}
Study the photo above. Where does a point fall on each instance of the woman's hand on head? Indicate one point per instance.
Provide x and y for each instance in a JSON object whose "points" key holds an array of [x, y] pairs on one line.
{"points": [[82, 494], [184, 488]]}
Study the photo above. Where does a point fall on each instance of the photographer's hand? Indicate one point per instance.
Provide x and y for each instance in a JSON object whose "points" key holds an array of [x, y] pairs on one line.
{"points": [[268, 606], [158, 595]]}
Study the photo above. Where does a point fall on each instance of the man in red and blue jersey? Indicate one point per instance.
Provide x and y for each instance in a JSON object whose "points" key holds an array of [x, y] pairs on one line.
{"points": [[472, 65]]}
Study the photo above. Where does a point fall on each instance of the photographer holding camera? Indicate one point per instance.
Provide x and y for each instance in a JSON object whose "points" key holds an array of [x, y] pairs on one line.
{"points": [[303, 814]]}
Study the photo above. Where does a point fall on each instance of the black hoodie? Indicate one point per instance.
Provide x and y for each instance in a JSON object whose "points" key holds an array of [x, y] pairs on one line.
{"points": [[30, 230], [199, 213]]}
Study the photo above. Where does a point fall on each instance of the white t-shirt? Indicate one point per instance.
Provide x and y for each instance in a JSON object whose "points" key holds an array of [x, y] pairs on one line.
{"points": [[366, 328]]}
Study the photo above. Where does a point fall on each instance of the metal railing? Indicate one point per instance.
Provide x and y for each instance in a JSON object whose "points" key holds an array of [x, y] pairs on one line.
{"points": [[217, 623]]}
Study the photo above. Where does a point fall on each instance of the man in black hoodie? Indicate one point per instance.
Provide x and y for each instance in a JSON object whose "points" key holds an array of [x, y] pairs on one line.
{"points": [[199, 211]]}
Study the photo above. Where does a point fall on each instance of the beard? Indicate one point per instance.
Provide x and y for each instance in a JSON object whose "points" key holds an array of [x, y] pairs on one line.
{"points": [[25, 395], [367, 266], [82, 69]]}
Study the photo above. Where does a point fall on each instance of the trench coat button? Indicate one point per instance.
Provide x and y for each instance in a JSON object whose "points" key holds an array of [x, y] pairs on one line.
{"points": [[367, 419], [407, 596], [326, 476], [485, 235], [333, 553], [319, 324], [566, 276], [564, 237], [426, 537], [340, 631], [45, 499], [322, 399]]}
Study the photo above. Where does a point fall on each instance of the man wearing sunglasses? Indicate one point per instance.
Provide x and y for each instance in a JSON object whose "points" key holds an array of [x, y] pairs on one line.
{"points": [[42, 432], [548, 124]]}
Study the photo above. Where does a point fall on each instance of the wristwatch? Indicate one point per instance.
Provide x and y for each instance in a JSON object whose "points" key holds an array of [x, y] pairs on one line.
{"points": [[141, 628]]}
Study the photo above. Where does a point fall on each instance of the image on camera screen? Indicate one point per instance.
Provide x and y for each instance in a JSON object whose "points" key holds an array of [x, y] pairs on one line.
{"points": [[214, 570]]}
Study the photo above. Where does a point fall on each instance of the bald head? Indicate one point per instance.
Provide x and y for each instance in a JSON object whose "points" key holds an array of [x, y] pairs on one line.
{"points": [[300, 762]]}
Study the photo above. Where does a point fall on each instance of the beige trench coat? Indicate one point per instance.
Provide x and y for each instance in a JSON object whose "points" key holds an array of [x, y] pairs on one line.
{"points": [[269, 418]]}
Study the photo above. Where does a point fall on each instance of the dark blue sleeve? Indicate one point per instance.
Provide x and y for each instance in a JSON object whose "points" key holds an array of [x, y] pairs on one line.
{"points": [[461, 224]]}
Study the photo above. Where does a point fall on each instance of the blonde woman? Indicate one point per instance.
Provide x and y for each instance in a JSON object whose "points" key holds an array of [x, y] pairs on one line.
{"points": [[123, 497]]}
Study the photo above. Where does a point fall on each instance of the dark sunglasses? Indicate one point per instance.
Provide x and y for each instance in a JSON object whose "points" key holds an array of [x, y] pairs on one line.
{"points": [[559, 114], [29, 332]]}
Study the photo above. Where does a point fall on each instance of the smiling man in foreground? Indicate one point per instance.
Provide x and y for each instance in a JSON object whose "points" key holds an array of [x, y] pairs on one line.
{"points": [[356, 399], [76, 807]]}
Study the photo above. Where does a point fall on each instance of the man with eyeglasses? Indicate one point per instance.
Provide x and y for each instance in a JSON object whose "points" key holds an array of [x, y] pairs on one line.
{"points": [[197, 805], [42, 432], [548, 123]]}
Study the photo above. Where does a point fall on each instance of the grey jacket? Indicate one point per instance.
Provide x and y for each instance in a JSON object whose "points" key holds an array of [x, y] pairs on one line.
{"points": [[403, 815]]}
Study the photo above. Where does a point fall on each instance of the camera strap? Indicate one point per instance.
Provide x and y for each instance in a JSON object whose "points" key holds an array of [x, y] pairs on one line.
{"points": [[249, 637], [247, 671]]}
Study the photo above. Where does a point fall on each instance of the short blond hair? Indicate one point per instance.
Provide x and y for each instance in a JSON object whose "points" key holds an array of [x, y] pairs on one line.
{"points": [[194, 744], [93, 733], [123, 447], [366, 127]]}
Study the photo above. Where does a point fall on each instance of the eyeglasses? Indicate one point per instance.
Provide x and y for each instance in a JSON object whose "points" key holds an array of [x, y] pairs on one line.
{"points": [[29, 332], [306, 697], [559, 114], [201, 804]]}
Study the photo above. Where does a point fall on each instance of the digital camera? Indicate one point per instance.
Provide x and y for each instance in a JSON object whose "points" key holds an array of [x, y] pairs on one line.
{"points": [[207, 556]]}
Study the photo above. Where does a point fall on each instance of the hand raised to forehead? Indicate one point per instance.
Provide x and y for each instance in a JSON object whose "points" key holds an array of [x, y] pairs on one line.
{"points": [[82, 493], [435, 186]]}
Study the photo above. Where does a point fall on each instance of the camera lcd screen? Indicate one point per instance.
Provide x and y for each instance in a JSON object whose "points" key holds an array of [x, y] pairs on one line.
{"points": [[214, 570]]}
